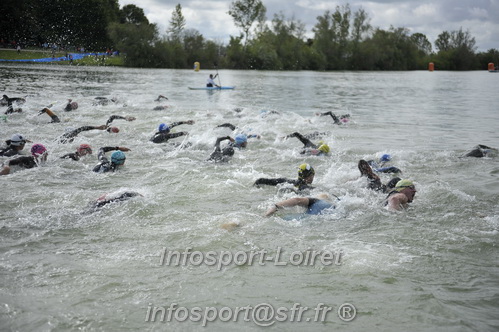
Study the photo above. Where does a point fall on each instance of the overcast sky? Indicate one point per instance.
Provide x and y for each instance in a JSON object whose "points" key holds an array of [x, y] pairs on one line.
{"points": [[210, 18]]}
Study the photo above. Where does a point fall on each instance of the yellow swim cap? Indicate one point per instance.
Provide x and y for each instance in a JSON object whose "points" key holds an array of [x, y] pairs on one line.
{"points": [[324, 148], [402, 184], [305, 170]]}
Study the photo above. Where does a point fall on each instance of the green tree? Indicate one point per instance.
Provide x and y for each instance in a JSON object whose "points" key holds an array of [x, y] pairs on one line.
{"points": [[245, 13], [133, 15], [177, 23]]}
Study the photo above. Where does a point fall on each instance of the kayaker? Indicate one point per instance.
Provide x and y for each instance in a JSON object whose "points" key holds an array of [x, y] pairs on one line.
{"points": [[210, 81]]}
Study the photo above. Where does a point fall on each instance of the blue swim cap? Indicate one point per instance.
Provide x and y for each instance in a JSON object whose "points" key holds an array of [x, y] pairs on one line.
{"points": [[164, 128], [240, 139], [385, 157], [118, 157]]}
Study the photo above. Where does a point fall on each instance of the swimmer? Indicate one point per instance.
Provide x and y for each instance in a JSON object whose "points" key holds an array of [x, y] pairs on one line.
{"points": [[314, 205], [38, 156], [481, 151], [103, 101], [55, 118], [11, 102], [401, 195], [105, 199], [14, 145], [222, 155], [81, 151], [241, 140], [309, 148], [70, 135], [163, 134], [117, 159], [379, 166], [160, 97], [374, 182], [118, 117], [306, 174], [343, 118], [71, 105]]}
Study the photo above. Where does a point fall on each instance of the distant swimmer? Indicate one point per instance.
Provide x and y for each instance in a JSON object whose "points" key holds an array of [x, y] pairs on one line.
{"points": [[379, 166], [341, 120], [401, 195], [82, 150], [306, 174], [38, 156], [241, 139], [14, 145], [160, 97], [108, 199], [55, 118], [69, 136], [163, 134], [313, 205], [481, 151], [11, 102], [117, 159], [374, 182], [210, 82], [310, 148], [118, 117], [71, 106], [103, 101], [222, 155]]}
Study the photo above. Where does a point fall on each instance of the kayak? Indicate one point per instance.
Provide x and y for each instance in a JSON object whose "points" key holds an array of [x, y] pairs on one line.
{"points": [[214, 88]]}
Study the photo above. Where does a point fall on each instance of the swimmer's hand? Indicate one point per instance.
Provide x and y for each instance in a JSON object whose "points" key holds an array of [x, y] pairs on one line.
{"points": [[129, 118]]}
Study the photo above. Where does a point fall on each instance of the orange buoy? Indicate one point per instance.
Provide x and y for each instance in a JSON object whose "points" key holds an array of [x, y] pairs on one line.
{"points": [[491, 66], [431, 66]]}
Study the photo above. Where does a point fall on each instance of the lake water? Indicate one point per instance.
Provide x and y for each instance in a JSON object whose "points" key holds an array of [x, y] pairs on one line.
{"points": [[432, 267]]}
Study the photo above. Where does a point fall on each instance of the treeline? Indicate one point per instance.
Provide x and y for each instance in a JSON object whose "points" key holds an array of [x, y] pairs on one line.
{"points": [[342, 39]]}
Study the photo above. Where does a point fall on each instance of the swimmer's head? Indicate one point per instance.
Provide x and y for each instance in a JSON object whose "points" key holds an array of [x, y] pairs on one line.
{"points": [[113, 130], [74, 105], [241, 140], [84, 149], [324, 148], [163, 128], [305, 171], [118, 157], [38, 150], [17, 140], [385, 157], [402, 184]]}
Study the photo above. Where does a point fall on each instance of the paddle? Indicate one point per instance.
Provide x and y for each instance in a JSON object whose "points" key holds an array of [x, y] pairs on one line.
{"points": [[216, 67]]}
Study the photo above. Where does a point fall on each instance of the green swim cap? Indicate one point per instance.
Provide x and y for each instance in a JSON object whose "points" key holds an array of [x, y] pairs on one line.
{"points": [[305, 170], [324, 148]]}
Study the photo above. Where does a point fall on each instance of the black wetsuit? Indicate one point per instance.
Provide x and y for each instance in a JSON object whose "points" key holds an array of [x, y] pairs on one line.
{"points": [[10, 107], [228, 125], [120, 198], [219, 154], [25, 161], [479, 151], [9, 151], [299, 184], [114, 117], [74, 155], [69, 137], [335, 118], [306, 142], [105, 165], [161, 137]]}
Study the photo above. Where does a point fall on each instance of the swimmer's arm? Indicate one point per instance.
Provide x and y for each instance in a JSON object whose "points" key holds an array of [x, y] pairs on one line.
{"points": [[303, 139], [228, 125], [296, 201], [272, 182], [189, 122], [119, 117]]}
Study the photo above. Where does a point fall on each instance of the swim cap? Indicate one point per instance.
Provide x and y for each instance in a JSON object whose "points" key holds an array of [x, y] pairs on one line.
{"points": [[38, 150], [402, 184], [385, 157], [114, 130], [17, 140], [240, 139], [74, 105], [305, 170], [324, 148], [84, 149], [164, 128], [118, 157]]}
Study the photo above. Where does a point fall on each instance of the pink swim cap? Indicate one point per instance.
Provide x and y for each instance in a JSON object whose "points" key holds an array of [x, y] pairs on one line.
{"points": [[38, 150]]}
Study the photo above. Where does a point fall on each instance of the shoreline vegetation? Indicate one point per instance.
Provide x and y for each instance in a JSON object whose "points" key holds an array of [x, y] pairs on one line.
{"points": [[31, 54]]}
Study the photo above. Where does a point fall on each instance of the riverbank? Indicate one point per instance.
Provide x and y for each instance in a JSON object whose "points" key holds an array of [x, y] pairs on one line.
{"points": [[101, 60]]}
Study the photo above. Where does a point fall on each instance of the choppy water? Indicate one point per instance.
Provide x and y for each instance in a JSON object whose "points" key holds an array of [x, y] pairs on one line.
{"points": [[434, 267]]}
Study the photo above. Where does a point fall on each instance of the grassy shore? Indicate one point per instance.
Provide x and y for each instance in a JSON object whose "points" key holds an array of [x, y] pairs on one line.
{"points": [[8, 54]]}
